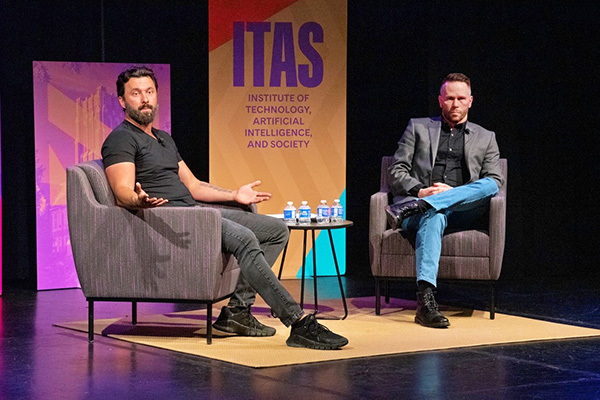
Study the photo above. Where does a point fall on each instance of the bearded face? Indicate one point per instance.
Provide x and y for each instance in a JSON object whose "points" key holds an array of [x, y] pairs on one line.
{"points": [[143, 114], [455, 100], [140, 100]]}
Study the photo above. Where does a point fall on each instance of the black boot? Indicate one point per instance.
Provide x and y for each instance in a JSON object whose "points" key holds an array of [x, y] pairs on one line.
{"points": [[427, 311], [396, 213]]}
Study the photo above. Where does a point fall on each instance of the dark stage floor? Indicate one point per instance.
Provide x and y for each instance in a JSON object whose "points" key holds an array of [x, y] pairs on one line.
{"points": [[39, 361]]}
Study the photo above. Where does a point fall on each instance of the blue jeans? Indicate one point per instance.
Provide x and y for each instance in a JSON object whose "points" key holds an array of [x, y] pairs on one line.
{"points": [[458, 209], [255, 241]]}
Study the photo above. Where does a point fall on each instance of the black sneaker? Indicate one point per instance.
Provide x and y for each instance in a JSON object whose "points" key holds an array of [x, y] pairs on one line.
{"points": [[241, 322], [310, 334]]}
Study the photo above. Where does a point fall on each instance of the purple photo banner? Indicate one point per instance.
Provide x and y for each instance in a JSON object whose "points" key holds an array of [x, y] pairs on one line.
{"points": [[0, 204], [75, 108]]}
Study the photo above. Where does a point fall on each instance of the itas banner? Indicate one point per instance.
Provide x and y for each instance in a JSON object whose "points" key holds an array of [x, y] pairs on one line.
{"points": [[75, 108], [277, 76]]}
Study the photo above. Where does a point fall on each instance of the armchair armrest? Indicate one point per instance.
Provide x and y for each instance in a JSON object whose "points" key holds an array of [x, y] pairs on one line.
{"points": [[231, 205], [377, 225], [497, 232], [377, 218]]}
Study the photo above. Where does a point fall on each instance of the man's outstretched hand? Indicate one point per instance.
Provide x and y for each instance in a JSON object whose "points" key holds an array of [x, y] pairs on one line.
{"points": [[247, 195], [145, 201]]}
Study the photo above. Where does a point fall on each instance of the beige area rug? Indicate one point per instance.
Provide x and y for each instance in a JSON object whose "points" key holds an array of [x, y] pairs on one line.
{"points": [[392, 332]]}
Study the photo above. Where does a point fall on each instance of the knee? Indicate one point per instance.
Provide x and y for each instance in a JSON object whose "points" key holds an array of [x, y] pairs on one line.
{"points": [[490, 186], [283, 233], [241, 240]]}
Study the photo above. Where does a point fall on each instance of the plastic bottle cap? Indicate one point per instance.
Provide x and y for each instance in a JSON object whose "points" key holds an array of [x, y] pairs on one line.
{"points": [[304, 203], [289, 203], [323, 201], [338, 200]]}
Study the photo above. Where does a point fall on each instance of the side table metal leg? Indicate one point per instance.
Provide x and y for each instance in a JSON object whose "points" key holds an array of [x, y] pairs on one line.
{"points": [[337, 269], [314, 250], [281, 266], [303, 270], [283, 258]]}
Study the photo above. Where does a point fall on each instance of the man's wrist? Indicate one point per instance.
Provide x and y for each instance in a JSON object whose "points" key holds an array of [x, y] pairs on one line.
{"points": [[415, 190]]}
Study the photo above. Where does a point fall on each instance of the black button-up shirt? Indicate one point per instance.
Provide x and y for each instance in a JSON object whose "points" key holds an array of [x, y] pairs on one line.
{"points": [[449, 167]]}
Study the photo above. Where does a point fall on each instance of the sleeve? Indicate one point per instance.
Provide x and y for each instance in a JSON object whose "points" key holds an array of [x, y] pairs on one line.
{"points": [[401, 181], [414, 192], [491, 162], [118, 147]]}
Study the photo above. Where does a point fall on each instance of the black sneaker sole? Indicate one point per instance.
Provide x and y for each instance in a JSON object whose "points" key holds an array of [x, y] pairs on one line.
{"points": [[432, 325], [239, 329], [299, 341]]}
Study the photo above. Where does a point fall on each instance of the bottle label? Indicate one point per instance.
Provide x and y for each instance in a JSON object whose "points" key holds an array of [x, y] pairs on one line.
{"points": [[305, 213], [323, 212], [289, 214]]}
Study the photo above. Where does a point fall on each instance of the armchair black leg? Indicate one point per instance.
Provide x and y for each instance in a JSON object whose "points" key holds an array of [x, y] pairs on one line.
{"points": [[377, 296], [493, 302], [387, 291], [91, 321], [134, 312], [209, 323]]}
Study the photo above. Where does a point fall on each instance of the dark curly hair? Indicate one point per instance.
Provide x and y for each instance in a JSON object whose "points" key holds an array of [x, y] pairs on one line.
{"points": [[134, 72]]}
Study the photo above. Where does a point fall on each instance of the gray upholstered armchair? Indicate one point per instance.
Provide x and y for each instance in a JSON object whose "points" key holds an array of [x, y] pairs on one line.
{"points": [[469, 255], [165, 254]]}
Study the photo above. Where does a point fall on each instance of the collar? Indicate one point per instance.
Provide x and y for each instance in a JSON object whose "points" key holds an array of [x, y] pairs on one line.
{"points": [[140, 130], [460, 127]]}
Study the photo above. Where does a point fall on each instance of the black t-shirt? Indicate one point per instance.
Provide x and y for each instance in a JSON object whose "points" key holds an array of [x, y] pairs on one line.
{"points": [[156, 161]]}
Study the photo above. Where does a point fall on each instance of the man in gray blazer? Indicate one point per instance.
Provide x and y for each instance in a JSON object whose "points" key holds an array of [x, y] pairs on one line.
{"points": [[444, 173]]}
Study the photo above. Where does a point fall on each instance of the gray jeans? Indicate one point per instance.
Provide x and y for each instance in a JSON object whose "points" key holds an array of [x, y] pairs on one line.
{"points": [[255, 241]]}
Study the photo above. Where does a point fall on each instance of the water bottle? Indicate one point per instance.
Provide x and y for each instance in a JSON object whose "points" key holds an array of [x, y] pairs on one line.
{"points": [[304, 211], [289, 213], [337, 211], [323, 213]]}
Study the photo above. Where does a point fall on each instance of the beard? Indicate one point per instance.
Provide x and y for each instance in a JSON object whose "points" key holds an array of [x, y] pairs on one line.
{"points": [[452, 117], [138, 116]]}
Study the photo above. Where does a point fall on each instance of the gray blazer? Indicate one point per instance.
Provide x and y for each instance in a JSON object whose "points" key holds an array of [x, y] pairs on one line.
{"points": [[417, 149]]}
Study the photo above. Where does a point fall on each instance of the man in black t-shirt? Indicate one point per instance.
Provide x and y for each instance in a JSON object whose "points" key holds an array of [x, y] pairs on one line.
{"points": [[156, 164], [145, 170]]}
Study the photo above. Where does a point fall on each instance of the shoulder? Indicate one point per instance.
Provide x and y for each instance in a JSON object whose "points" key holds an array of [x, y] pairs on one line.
{"points": [[473, 127], [425, 122], [122, 133], [120, 145], [422, 125]]}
